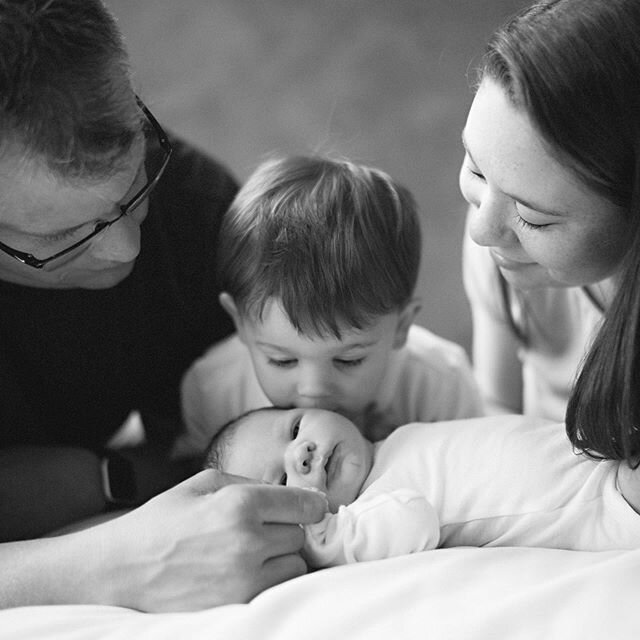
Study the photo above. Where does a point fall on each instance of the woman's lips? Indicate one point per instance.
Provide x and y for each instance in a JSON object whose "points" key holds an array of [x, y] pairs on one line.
{"points": [[509, 263]]}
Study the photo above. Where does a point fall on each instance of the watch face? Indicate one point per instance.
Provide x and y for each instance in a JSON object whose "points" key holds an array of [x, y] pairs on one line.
{"points": [[119, 480]]}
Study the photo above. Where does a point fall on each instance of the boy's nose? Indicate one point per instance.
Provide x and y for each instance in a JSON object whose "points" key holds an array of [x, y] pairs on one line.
{"points": [[314, 383]]}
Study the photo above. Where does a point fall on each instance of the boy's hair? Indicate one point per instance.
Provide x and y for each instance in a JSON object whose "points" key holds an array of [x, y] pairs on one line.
{"points": [[215, 454], [65, 91], [337, 243]]}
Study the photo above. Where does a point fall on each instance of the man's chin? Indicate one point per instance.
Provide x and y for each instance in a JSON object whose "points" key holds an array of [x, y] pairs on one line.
{"points": [[96, 279]]}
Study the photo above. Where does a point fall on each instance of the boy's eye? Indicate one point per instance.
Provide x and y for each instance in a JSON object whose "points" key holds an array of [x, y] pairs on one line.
{"points": [[349, 363], [283, 479], [284, 364]]}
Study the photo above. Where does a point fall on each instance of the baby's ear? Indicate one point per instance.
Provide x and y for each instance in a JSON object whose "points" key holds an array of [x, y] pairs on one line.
{"points": [[405, 320], [229, 305]]}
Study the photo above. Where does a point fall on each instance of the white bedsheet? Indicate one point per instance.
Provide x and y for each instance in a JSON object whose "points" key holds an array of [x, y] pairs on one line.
{"points": [[493, 594]]}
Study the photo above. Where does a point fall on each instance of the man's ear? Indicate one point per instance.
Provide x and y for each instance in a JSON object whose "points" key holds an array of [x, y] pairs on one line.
{"points": [[407, 316], [228, 304]]}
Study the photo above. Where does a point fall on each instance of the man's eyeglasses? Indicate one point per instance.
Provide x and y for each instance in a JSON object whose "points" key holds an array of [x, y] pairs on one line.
{"points": [[159, 159]]}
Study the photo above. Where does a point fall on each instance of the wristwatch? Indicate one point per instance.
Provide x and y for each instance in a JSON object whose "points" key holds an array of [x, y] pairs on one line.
{"points": [[118, 480]]}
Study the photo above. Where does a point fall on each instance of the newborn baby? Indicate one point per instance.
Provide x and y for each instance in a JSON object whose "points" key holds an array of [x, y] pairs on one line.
{"points": [[499, 480]]}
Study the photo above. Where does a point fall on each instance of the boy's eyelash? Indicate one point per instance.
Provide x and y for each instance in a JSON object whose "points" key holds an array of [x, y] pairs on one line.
{"points": [[281, 363], [350, 363], [285, 364]]}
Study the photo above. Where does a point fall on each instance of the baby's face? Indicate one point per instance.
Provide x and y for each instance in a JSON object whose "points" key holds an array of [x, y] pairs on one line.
{"points": [[310, 448]]}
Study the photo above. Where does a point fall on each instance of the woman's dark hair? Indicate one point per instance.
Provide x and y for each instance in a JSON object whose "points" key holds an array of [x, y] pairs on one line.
{"points": [[574, 67]]}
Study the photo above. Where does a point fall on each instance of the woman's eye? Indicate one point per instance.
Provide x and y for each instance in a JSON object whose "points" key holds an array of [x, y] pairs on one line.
{"points": [[528, 225], [283, 364], [283, 479]]}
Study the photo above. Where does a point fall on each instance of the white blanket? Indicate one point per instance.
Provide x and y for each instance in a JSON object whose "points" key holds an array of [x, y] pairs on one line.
{"points": [[493, 594]]}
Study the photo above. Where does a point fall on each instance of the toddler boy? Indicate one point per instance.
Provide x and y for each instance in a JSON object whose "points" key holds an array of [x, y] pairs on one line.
{"points": [[318, 262]]}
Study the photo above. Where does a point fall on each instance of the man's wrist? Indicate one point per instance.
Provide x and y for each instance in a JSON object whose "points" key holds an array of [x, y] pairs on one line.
{"points": [[119, 484]]}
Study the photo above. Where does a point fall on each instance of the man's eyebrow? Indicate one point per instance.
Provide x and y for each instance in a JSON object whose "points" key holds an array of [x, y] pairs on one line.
{"points": [[526, 203]]}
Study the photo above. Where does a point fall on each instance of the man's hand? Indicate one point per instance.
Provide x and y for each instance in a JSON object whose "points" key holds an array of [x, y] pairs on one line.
{"points": [[214, 539]]}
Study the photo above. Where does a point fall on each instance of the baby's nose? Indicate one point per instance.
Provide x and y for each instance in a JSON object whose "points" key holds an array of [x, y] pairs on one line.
{"points": [[303, 457]]}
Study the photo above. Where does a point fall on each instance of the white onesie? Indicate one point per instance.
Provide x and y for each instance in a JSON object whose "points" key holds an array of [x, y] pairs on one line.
{"points": [[497, 481]]}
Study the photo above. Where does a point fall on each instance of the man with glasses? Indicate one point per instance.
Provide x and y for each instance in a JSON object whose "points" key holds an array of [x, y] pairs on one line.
{"points": [[107, 294]]}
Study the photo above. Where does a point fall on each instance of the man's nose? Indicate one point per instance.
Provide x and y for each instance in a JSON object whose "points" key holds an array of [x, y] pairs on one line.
{"points": [[488, 221], [119, 243]]}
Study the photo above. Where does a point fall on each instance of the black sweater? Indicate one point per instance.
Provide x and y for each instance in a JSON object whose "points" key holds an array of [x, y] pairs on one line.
{"points": [[74, 363]]}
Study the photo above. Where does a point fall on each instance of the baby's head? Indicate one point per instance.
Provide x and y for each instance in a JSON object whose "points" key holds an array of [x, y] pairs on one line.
{"points": [[309, 448], [318, 262]]}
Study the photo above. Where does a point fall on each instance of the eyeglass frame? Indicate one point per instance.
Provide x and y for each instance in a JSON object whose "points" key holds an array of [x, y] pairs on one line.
{"points": [[125, 209]]}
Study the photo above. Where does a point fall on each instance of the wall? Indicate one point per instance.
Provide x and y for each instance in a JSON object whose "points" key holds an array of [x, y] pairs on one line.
{"points": [[386, 83]]}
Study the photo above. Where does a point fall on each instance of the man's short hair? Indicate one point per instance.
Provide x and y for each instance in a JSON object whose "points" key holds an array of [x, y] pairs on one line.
{"points": [[65, 92]]}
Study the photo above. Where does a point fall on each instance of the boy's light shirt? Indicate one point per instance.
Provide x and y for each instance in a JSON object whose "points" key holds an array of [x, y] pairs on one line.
{"points": [[429, 379]]}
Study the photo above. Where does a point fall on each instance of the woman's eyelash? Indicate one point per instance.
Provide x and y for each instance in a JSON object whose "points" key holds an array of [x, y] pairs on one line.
{"points": [[295, 429], [528, 225]]}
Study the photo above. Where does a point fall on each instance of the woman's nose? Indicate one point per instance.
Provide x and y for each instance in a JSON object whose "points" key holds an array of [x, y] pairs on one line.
{"points": [[488, 220], [302, 455], [119, 243]]}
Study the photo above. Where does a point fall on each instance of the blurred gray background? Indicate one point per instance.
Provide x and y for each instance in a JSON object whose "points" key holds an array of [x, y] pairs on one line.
{"points": [[383, 82]]}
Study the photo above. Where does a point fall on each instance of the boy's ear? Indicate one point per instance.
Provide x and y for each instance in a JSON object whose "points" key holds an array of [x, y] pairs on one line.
{"points": [[228, 304], [407, 316]]}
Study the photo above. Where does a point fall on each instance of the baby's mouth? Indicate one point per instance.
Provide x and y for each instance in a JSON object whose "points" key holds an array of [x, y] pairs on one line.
{"points": [[330, 465]]}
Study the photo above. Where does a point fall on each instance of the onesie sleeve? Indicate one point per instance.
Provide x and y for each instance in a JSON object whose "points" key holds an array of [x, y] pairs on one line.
{"points": [[373, 527]]}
